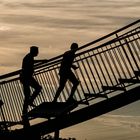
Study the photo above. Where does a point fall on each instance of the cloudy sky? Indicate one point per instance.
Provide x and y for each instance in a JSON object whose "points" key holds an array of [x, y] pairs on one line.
{"points": [[106, 127], [54, 25]]}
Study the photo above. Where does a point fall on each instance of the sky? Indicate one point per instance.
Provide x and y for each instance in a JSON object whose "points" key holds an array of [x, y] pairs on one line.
{"points": [[106, 127], [53, 25]]}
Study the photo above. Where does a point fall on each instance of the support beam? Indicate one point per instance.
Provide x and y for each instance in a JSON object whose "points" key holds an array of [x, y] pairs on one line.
{"points": [[134, 81], [89, 112]]}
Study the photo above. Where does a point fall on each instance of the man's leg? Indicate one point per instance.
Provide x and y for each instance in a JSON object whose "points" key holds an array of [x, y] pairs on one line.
{"points": [[26, 90], [37, 88], [62, 83], [75, 83]]}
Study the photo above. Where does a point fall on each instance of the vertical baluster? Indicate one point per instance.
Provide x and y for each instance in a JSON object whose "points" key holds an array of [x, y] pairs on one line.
{"points": [[9, 107], [109, 58], [40, 97], [118, 62], [81, 91], [92, 73], [105, 66], [131, 52], [15, 100], [100, 68], [135, 54], [46, 89], [97, 72], [5, 107], [123, 59], [12, 101], [89, 76], [83, 76]]}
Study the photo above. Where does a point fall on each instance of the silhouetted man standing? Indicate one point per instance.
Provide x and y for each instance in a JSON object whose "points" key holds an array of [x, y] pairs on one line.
{"points": [[66, 73], [27, 78]]}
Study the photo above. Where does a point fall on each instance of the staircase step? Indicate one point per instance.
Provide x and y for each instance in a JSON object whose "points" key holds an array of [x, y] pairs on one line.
{"points": [[88, 95], [50, 109], [113, 88], [135, 81], [84, 102]]}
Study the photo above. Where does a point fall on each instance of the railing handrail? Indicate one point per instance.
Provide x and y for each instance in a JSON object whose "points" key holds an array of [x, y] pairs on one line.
{"points": [[110, 34], [103, 67]]}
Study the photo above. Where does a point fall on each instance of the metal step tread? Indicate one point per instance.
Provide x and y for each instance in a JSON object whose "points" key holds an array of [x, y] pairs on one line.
{"points": [[129, 81], [50, 109], [113, 88], [88, 95]]}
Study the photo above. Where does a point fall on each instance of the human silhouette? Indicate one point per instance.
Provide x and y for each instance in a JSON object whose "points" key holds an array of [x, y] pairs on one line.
{"points": [[66, 73], [27, 79]]}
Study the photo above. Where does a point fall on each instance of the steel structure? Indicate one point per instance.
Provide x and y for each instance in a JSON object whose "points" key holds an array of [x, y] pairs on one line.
{"points": [[107, 66]]}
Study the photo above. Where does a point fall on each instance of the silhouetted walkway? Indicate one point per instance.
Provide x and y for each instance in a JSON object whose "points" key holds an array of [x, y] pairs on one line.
{"points": [[107, 66]]}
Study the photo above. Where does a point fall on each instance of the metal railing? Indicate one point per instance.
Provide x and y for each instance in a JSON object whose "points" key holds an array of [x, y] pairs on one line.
{"points": [[101, 64]]}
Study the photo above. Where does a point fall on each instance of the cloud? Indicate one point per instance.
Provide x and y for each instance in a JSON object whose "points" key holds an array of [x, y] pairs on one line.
{"points": [[4, 28], [58, 23], [129, 122], [70, 15], [106, 127], [50, 22]]}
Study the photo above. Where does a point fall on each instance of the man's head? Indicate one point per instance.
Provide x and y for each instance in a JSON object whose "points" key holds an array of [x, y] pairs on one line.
{"points": [[34, 50], [74, 47]]}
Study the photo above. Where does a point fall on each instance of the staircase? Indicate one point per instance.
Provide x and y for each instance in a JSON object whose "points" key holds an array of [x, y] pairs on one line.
{"points": [[109, 74]]}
